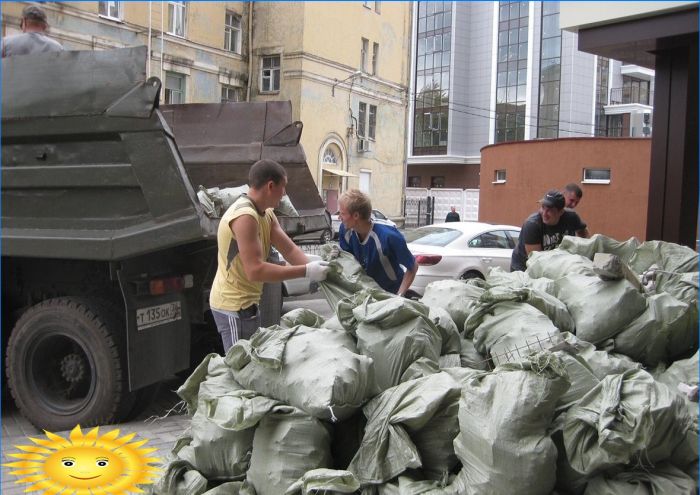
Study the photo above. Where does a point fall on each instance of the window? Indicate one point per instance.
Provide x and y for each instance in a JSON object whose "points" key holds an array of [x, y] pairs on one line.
{"points": [[113, 10], [414, 181], [494, 239], [375, 57], [372, 125], [365, 181], [437, 181], [511, 76], [615, 125], [270, 74], [176, 18], [550, 72], [596, 175], [364, 54], [432, 88], [367, 121], [499, 176], [601, 93], [232, 33], [329, 157], [174, 88], [231, 94]]}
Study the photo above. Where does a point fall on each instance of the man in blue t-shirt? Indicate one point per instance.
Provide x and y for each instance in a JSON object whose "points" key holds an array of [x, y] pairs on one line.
{"points": [[379, 247]]}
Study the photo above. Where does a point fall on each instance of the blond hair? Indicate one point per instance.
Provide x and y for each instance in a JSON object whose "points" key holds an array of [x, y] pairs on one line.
{"points": [[357, 202]]}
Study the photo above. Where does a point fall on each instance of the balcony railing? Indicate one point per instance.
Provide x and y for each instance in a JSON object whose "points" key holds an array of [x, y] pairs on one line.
{"points": [[622, 96]]}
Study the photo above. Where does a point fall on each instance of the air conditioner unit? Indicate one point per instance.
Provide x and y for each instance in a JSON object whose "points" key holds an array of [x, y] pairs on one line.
{"points": [[362, 145]]}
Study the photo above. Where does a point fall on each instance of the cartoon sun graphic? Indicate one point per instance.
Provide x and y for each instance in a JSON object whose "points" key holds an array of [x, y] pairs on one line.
{"points": [[85, 464]]}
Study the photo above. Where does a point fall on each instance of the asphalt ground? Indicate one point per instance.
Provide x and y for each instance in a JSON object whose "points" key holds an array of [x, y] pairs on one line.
{"points": [[160, 430]]}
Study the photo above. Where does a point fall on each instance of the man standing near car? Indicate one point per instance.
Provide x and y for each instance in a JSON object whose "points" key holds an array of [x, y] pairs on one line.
{"points": [[572, 197], [379, 247], [545, 229], [247, 231]]}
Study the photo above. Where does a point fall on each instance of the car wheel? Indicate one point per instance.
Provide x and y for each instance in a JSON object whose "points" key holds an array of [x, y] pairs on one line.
{"points": [[471, 274], [63, 366], [326, 236]]}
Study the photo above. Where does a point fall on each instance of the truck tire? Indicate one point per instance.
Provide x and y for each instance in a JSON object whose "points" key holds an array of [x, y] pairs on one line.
{"points": [[63, 366]]}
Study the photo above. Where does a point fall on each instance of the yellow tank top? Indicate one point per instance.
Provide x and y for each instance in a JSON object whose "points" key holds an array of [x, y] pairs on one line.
{"points": [[231, 290]]}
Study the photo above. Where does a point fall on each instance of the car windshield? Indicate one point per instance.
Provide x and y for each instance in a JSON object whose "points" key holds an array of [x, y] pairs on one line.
{"points": [[432, 236]]}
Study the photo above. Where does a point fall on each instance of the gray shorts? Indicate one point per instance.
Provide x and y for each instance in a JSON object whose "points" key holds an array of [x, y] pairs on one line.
{"points": [[236, 325]]}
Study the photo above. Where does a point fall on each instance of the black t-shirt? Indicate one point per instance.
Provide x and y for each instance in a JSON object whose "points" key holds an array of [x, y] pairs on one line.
{"points": [[452, 216], [534, 231]]}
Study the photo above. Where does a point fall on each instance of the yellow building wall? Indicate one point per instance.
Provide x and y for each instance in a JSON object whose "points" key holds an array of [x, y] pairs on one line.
{"points": [[320, 45]]}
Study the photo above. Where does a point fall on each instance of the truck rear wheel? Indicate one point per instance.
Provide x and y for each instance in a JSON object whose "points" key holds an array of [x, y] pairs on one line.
{"points": [[63, 365]]}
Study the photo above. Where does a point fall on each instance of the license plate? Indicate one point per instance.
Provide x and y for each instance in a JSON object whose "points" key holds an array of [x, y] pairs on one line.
{"points": [[158, 315]]}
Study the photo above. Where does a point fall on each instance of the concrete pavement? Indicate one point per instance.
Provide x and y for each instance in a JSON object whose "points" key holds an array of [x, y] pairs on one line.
{"points": [[161, 433]]}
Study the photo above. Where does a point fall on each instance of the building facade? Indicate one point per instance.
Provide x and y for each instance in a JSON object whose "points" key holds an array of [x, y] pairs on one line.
{"points": [[494, 72], [344, 66]]}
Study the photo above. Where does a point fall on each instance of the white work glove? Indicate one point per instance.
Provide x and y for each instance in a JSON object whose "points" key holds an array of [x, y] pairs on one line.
{"points": [[316, 271], [335, 252]]}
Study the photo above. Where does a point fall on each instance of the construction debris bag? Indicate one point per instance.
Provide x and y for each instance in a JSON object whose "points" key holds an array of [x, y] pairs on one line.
{"points": [[681, 372], [222, 431], [287, 444], [599, 243], [284, 364], [585, 366], [216, 201], [345, 308], [664, 479], [667, 256], [626, 418], [469, 357], [457, 297], [547, 304], [180, 478], [504, 417], [555, 264], [211, 368], [345, 278], [395, 333], [409, 426], [497, 277], [324, 481], [663, 332], [448, 329], [302, 316], [600, 309], [410, 482]]}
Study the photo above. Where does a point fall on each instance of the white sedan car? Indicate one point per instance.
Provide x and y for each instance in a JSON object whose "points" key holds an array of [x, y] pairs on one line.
{"points": [[459, 250]]}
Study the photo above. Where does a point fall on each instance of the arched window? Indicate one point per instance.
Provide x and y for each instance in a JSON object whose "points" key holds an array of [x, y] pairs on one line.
{"points": [[330, 157]]}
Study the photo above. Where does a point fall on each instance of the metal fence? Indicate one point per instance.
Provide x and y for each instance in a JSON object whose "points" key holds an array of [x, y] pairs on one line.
{"points": [[418, 212]]}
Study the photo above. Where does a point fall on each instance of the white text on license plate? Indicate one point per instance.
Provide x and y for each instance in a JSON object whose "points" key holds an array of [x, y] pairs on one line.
{"points": [[158, 315]]}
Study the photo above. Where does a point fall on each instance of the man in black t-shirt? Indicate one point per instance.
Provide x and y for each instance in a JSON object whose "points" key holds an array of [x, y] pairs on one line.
{"points": [[452, 216], [545, 229]]}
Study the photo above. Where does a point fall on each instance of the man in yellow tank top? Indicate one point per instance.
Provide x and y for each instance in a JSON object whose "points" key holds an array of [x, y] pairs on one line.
{"points": [[246, 232]]}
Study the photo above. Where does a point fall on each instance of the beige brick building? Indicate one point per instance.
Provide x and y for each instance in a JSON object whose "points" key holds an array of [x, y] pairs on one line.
{"points": [[344, 66]]}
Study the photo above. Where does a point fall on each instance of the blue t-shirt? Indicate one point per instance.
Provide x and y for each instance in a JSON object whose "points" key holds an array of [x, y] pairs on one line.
{"points": [[380, 254]]}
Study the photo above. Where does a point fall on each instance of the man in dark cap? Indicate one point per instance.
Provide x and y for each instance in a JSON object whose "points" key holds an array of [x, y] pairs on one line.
{"points": [[33, 38], [544, 229]]}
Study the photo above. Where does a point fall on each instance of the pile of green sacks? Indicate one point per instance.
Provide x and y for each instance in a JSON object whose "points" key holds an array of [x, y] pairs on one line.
{"points": [[553, 380]]}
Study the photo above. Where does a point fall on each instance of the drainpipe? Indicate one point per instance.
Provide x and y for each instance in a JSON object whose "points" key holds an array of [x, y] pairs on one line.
{"points": [[148, 60], [162, 43], [250, 49]]}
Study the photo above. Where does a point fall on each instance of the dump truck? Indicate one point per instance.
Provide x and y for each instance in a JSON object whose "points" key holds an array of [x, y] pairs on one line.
{"points": [[107, 253]]}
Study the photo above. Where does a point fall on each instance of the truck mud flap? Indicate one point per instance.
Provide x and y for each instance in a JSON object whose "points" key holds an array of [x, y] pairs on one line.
{"points": [[158, 335]]}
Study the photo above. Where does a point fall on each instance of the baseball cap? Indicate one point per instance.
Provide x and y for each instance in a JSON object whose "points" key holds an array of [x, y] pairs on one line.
{"points": [[553, 199], [34, 13]]}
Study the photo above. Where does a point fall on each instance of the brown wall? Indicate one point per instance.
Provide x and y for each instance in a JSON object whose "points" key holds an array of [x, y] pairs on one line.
{"points": [[456, 176], [618, 209]]}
